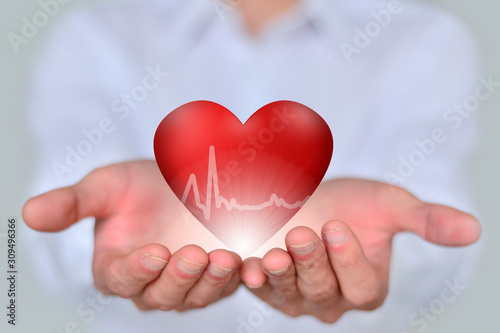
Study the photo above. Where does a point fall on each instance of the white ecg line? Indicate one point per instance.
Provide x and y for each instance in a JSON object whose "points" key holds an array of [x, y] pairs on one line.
{"points": [[213, 183]]}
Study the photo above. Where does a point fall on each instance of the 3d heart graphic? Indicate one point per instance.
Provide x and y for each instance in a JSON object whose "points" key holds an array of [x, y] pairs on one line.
{"points": [[243, 182]]}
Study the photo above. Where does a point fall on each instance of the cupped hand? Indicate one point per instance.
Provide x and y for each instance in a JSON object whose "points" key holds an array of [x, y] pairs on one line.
{"points": [[136, 216], [343, 264]]}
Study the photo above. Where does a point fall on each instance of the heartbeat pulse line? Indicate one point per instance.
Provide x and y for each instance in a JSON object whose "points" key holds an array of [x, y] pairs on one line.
{"points": [[213, 186]]}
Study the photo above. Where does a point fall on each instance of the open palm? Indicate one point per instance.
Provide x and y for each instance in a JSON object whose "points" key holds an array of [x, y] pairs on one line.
{"points": [[137, 216], [349, 267]]}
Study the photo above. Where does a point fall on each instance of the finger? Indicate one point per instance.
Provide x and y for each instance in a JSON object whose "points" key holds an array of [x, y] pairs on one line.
{"points": [[184, 269], [315, 277], [278, 266], [360, 283], [280, 269], [252, 274], [234, 281], [60, 208], [128, 275], [436, 223], [255, 279], [222, 264], [399, 210]]}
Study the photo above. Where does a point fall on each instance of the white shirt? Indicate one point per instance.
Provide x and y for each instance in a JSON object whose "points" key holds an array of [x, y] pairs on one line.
{"points": [[379, 94]]}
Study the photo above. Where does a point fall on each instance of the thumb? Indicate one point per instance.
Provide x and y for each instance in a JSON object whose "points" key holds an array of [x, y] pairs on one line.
{"points": [[58, 209], [443, 225]]}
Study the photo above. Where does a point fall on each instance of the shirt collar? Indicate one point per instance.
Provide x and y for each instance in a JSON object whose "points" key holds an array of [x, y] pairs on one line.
{"points": [[322, 16], [317, 14]]}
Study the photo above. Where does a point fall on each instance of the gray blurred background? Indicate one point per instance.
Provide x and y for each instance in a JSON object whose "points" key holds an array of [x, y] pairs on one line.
{"points": [[476, 310]]}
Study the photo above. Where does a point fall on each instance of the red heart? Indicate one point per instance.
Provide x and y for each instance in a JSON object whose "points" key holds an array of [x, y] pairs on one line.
{"points": [[243, 182]]}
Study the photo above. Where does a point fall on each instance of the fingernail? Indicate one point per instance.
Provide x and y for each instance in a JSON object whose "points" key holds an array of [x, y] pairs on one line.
{"points": [[253, 286], [188, 266], [218, 270], [335, 236], [302, 249], [153, 263], [278, 273]]}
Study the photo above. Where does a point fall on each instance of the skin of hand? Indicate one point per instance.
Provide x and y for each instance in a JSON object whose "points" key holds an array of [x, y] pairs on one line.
{"points": [[347, 269], [348, 266], [136, 213]]}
